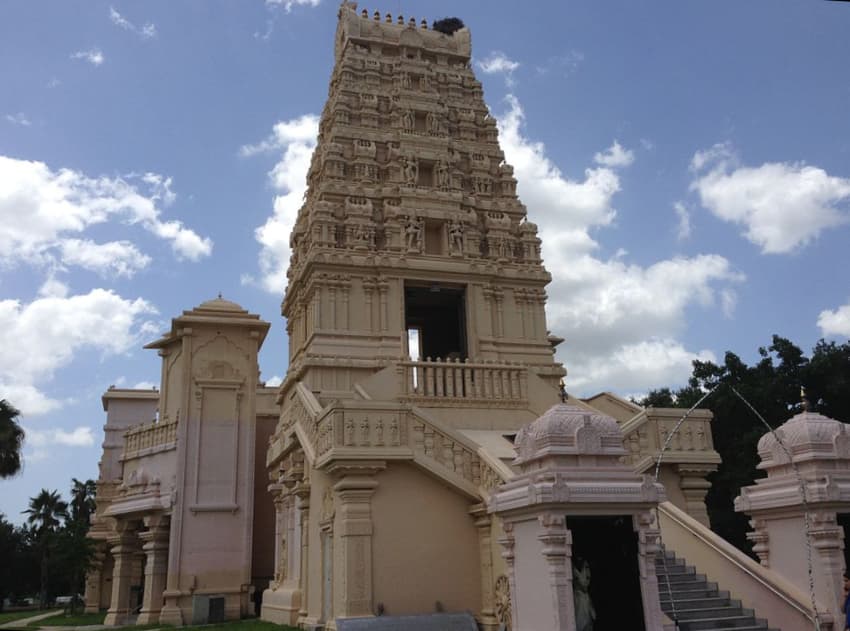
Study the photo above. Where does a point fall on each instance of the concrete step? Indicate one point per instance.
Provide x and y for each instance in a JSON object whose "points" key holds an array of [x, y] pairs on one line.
{"points": [[697, 604]]}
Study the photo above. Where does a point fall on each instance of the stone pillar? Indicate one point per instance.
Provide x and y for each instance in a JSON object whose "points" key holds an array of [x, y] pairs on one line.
{"points": [[124, 549], [94, 579], [818, 475], [487, 619], [354, 489], [694, 487], [508, 543], [155, 547], [302, 492], [557, 552], [649, 545]]}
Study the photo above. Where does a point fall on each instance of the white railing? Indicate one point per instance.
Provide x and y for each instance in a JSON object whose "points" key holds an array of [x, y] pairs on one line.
{"points": [[465, 380]]}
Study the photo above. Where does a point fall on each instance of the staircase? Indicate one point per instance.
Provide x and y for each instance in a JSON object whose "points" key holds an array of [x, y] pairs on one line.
{"points": [[698, 603]]}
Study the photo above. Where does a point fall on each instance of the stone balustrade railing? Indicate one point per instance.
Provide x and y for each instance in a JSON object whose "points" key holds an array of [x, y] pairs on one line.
{"points": [[464, 381], [149, 436], [645, 435], [378, 431]]}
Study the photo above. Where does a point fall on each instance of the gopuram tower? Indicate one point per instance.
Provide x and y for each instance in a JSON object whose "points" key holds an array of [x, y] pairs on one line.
{"points": [[417, 340]]}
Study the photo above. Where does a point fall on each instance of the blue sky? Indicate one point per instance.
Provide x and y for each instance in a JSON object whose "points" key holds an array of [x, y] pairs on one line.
{"points": [[688, 165]]}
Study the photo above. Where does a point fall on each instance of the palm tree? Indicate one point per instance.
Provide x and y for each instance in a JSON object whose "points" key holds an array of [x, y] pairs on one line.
{"points": [[11, 440], [82, 501], [45, 512]]}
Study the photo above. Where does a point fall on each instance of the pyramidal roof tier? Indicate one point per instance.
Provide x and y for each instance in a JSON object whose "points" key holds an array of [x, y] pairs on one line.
{"points": [[407, 171]]}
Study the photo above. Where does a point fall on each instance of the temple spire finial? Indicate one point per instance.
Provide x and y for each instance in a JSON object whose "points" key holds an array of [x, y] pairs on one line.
{"points": [[804, 399]]}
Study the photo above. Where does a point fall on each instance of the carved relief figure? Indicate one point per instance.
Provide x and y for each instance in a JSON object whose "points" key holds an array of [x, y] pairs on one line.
{"points": [[410, 169], [407, 120], [455, 237], [432, 122], [413, 234], [442, 173]]}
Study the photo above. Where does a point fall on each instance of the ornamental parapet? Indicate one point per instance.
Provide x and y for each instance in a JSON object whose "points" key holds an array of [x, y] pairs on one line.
{"points": [[155, 436], [645, 435], [453, 382], [350, 430]]}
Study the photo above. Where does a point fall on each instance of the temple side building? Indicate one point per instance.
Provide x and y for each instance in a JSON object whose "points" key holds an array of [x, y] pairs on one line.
{"points": [[418, 348]]}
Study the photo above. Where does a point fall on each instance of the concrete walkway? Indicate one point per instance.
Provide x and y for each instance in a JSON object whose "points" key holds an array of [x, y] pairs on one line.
{"points": [[22, 622]]}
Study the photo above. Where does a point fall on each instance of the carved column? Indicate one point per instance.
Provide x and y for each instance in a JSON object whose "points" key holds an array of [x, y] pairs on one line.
{"points": [[354, 492], [369, 285], [694, 487], [483, 522], [557, 550], [508, 543], [383, 288], [649, 545], [94, 579], [828, 544], [155, 547], [500, 312], [302, 492], [124, 548]]}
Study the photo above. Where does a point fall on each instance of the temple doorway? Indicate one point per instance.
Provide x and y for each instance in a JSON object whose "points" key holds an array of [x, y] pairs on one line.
{"points": [[605, 569]]}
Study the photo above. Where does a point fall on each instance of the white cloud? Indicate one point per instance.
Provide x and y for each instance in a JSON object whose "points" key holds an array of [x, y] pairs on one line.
{"points": [[38, 442], [53, 83], [781, 206], [567, 63], [40, 210], [78, 437], [274, 382], [498, 63], [145, 385], [615, 156], [53, 288], [835, 322], [620, 321], [683, 229], [19, 119], [295, 139], [633, 366], [116, 258], [93, 56], [42, 336], [146, 31], [288, 4]]}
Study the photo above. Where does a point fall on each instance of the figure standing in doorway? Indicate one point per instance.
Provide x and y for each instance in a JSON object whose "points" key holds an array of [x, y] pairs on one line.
{"points": [[585, 613]]}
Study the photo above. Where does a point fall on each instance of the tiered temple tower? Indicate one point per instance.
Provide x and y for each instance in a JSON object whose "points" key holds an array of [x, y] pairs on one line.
{"points": [[418, 339]]}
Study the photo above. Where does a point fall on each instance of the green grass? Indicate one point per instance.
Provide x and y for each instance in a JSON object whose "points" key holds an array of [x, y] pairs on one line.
{"points": [[67, 620], [249, 624], [11, 616]]}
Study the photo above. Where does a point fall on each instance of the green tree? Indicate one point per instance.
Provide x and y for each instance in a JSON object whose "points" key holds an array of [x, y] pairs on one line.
{"points": [[45, 512], [82, 501], [74, 550], [11, 440]]}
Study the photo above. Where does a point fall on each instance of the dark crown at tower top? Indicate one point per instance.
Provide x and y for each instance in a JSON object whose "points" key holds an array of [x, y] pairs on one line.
{"points": [[451, 37]]}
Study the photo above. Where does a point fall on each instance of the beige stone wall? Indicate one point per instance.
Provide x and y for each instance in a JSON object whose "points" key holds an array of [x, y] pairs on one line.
{"points": [[425, 545]]}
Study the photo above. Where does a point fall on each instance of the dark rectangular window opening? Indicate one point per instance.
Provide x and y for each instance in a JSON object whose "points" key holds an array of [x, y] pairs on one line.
{"points": [[438, 315]]}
